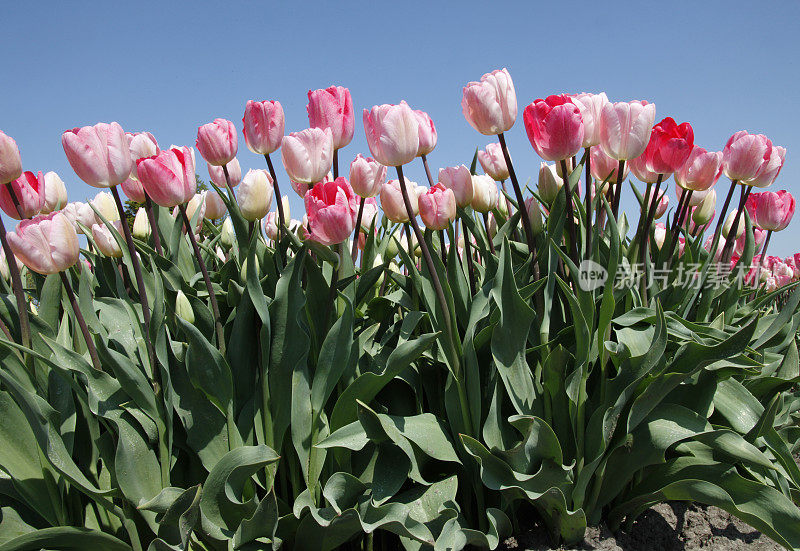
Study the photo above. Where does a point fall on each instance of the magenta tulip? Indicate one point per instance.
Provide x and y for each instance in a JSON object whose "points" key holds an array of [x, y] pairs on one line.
{"points": [[169, 178], [217, 142], [263, 126], [459, 179], [329, 207], [625, 128], [427, 133], [30, 192], [367, 176], [554, 126], [493, 161], [669, 146], [332, 108], [47, 244], [745, 155], [98, 154], [490, 106], [701, 170], [10, 160], [392, 133], [308, 155], [437, 207]]}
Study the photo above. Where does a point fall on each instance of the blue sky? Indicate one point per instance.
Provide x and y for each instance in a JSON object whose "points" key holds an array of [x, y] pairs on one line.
{"points": [[167, 68]]}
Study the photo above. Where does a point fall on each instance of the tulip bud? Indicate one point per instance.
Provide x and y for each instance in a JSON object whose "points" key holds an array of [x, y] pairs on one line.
{"points": [[591, 107], [217, 174], [366, 176], [197, 205], [220, 254], [535, 215], [459, 179], [80, 212], [255, 195], [215, 206], [490, 106], [427, 133], [332, 108], [308, 155], [55, 193], [98, 154], [704, 212], [392, 200], [4, 269], [226, 235], [10, 160], [660, 234], [484, 193], [726, 228], [270, 224], [104, 203], [369, 213], [244, 268], [183, 308], [217, 142], [437, 207], [141, 225], [287, 211], [47, 244], [550, 183], [493, 162], [264, 124], [104, 239], [662, 203]]}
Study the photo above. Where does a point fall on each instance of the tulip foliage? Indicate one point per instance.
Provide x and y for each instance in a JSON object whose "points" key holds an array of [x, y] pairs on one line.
{"points": [[286, 393]]}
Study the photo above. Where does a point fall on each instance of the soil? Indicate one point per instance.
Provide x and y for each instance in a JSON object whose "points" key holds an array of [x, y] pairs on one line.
{"points": [[670, 526]]}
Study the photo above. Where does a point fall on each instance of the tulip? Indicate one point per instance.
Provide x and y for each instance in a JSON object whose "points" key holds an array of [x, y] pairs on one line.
{"points": [[133, 190], [98, 154], [728, 227], [669, 146], [104, 204], [227, 236], [197, 205], [5, 271], [141, 145], [661, 205], [770, 170], [215, 206], [490, 106], [701, 170], [485, 194], [493, 162], [217, 142], [332, 108], [459, 179], [270, 226], [392, 200], [29, 191], [105, 241], [427, 133], [550, 183], [169, 177], [217, 174], [367, 176], [771, 211], [47, 244], [331, 218], [660, 234], [255, 195], [80, 212], [704, 212], [641, 170], [183, 308], [263, 126], [370, 213], [10, 160], [535, 214], [392, 133], [591, 107], [604, 168], [745, 155], [625, 128], [437, 207], [141, 225], [308, 155], [555, 127]]}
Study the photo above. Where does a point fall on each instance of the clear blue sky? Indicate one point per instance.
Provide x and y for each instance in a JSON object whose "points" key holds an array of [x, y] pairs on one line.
{"points": [[158, 66]]}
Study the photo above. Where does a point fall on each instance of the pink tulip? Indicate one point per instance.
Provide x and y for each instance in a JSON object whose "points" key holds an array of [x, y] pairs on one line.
{"points": [[215, 206], [771, 168], [669, 146], [133, 189], [555, 127], [745, 155], [331, 218], [367, 176], [308, 155], [79, 212], [591, 107], [98, 154], [771, 211], [625, 128], [549, 183], [392, 133], [493, 162], [332, 108], [437, 207], [392, 200], [169, 178], [104, 239], [141, 145], [490, 106], [485, 195], [641, 170], [270, 225], [369, 214], [604, 168], [264, 124], [10, 160], [701, 170], [459, 179], [427, 133], [662, 204], [217, 175], [47, 244], [217, 142], [30, 192]]}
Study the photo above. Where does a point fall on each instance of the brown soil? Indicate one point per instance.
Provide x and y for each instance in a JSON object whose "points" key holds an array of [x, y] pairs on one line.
{"points": [[674, 526]]}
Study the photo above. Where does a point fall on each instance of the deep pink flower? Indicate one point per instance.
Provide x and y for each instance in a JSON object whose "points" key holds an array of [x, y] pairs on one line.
{"points": [[217, 142], [437, 207], [98, 154], [30, 192], [332, 108], [331, 218], [669, 146], [169, 178], [263, 126], [771, 211], [555, 127]]}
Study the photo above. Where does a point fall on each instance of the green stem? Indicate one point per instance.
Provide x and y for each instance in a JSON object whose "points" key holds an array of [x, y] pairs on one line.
{"points": [[87, 337]]}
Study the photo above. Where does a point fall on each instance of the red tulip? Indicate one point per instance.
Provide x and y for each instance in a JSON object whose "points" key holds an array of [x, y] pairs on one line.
{"points": [[169, 178], [669, 146], [437, 207], [331, 218], [217, 142], [98, 154], [332, 108], [10, 160], [263, 126], [555, 127], [30, 192]]}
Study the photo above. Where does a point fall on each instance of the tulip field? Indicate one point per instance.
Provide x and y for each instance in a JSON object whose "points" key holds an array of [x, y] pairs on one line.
{"points": [[436, 365]]}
